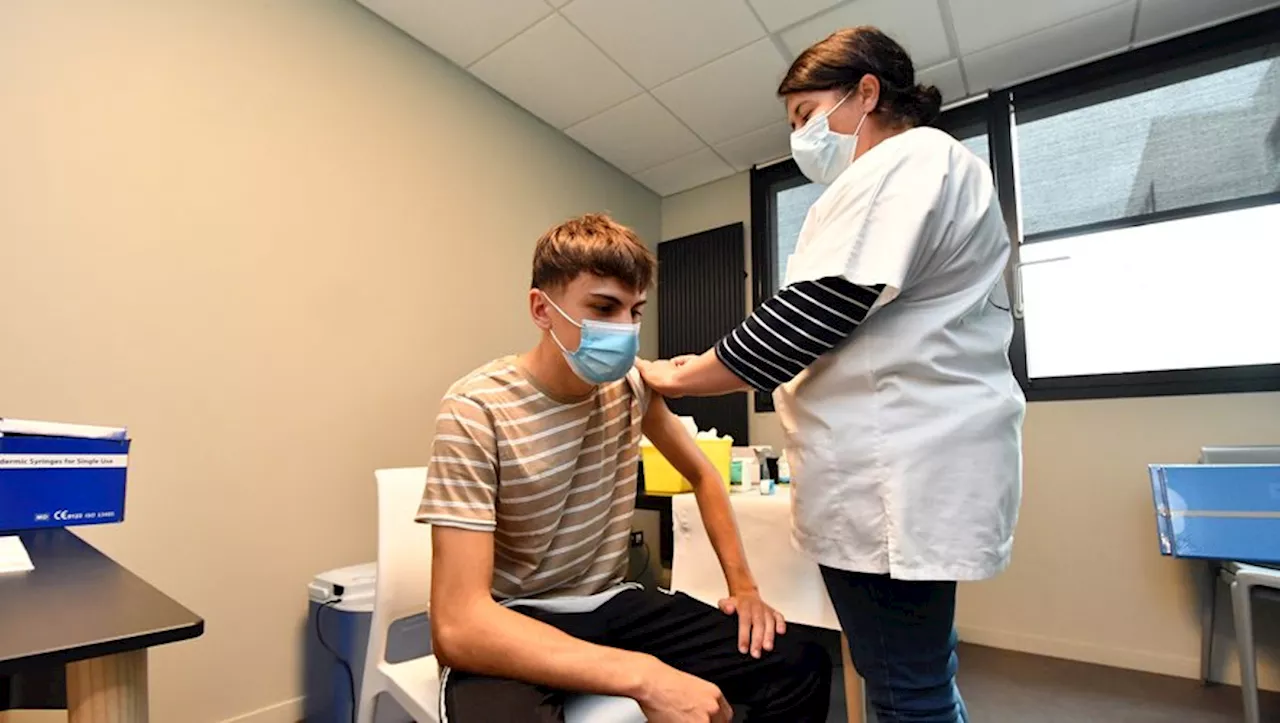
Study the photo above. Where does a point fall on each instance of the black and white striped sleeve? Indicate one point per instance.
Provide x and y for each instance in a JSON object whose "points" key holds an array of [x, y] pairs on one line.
{"points": [[793, 328]]}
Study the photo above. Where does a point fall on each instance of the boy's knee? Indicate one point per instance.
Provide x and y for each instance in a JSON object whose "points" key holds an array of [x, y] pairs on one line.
{"points": [[806, 667], [800, 690], [817, 660], [807, 659]]}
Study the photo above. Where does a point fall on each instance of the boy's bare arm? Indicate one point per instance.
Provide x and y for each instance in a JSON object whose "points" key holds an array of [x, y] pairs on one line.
{"points": [[757, 622]]}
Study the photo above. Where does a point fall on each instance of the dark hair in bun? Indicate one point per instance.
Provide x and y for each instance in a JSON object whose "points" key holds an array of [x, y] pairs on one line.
{"points": [[841, 60], [922, 104]]}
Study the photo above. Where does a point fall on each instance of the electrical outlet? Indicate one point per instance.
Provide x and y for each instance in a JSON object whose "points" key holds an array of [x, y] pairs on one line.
{"points": [[637, 538]]}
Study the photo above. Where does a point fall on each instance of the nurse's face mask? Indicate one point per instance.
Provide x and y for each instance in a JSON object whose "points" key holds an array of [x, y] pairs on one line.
{"points": [[606, 350], [821, 153]]}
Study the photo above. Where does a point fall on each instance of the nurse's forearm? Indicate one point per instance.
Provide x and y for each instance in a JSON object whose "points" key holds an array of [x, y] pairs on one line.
{"points": [[706, 376]]}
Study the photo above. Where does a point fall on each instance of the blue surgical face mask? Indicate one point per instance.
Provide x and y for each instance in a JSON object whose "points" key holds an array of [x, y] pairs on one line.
{"points": [[606, 352], [821, 153]]}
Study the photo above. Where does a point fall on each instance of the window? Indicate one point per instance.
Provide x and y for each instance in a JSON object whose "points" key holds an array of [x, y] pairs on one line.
{"points": [[1164, 142], [793, 206], [1144, 190], [1158, 301], [1149, 201]]}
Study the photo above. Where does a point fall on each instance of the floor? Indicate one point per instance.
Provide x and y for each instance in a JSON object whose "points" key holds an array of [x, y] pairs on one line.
{"points": [[1005, 687]]}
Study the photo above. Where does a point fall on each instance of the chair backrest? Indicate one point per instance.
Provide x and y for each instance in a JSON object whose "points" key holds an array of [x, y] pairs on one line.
{"points": [[404, 551], [403, 587], [1261, 454]]}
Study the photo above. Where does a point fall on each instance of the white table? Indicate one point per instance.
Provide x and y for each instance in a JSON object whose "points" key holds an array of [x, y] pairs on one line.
{"points": [[788, 580]]}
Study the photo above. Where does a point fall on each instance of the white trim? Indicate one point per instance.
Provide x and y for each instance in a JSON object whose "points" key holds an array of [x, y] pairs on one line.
{"points": [[287, 711], [1128, 658], [574, 604], [444, 680], [968, 100], [1180, 666], [458, 505], [741, 359], [770, 349], [560, 409], [789, 305], [441, 459], [785, 340], [464, 523], [757, 356], [543, 434]]}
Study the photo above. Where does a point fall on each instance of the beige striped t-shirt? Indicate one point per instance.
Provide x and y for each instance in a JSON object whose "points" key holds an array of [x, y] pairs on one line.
{"points": [[553, 479]]}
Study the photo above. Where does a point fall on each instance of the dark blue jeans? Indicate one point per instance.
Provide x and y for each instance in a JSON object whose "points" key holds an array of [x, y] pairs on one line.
{"points": [[903, 643]]}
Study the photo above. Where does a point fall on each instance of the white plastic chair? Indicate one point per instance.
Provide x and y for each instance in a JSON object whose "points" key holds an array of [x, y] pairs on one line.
{"points": [[404, 589]]}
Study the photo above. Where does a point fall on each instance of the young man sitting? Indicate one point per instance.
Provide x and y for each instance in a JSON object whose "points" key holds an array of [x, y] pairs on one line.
{"points": [[530, 493]]}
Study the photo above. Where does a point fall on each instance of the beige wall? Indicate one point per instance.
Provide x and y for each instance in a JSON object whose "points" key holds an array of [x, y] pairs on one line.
{"points": [[265, 236], [1087, 582]]}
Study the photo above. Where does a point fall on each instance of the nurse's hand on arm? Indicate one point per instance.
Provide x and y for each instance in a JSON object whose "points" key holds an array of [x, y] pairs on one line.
{"points": [[782, 338], [758, 623], [690, 376]]}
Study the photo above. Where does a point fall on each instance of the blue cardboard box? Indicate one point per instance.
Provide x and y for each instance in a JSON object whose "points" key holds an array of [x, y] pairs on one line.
{"points": [[1218, 512], [60, 481]]}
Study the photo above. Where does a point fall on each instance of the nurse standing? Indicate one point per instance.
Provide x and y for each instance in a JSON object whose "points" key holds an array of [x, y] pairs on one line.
{"points": [[887, 354]]}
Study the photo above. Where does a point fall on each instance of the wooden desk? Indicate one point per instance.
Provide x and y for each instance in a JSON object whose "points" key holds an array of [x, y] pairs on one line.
{"points": [[81, 609]]}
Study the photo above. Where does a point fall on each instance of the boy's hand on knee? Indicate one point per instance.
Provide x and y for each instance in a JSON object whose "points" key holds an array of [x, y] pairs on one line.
{"points": [[671, 696], [758, 624]]}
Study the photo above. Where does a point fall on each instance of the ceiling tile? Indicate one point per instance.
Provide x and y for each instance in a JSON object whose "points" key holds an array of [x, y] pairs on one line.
{"points": [[684, 173], [557, 74], [982, 24], [636, 135], [1163, 18], [778, 14], [656, 40], [762, 146], [731, 96], [1062, 46], [915, 24], [462, 32], [948, 79]]}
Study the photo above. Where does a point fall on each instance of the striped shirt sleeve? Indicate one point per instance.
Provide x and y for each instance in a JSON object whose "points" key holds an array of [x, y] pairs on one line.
{"points": [[794, 328], [462, 476]]}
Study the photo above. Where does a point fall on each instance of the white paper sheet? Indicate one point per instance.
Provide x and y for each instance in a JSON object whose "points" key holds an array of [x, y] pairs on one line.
{"points": [[788, 580], [13, 556]]}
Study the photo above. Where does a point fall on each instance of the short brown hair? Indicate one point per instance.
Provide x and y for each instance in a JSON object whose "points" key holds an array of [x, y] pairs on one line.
{"points": [[593, 244]]}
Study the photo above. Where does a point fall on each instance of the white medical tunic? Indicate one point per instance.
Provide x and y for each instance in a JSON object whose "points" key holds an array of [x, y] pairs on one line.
{"points": [[905, 442]]}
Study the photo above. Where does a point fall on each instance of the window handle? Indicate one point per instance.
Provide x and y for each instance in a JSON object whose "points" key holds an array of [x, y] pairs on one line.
{"points": [[1018, 308]]}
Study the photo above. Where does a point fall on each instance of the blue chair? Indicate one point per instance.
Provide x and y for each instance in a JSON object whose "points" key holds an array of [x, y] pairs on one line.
{"points": [[1246, 583]]}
